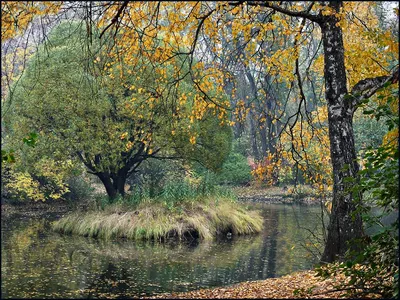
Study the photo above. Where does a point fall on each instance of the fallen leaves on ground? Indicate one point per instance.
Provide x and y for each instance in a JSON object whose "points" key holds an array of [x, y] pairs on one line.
{"points": [[302, 285]]}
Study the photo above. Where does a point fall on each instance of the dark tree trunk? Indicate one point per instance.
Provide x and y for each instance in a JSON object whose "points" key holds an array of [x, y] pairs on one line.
{"points": [[114, 183], [344, 224], [253, 137], [270, 101], [108, 184], [263, 138], [121, 180]]}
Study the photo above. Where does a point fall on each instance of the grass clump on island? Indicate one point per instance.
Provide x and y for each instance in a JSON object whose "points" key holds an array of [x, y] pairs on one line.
{"points": [[180, 211]]}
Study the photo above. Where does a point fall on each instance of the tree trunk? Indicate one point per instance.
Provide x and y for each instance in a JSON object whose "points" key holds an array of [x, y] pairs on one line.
{"points": [[114, 183], [121, 180], [108, 184], [253, 137], [344, 224], [263, 137]]}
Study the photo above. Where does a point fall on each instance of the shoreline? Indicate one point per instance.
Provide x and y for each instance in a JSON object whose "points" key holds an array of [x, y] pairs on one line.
{"points": [[274, 195]]}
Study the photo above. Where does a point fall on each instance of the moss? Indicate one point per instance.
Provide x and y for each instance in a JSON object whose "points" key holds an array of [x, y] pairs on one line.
{"points": [[203, 219]]}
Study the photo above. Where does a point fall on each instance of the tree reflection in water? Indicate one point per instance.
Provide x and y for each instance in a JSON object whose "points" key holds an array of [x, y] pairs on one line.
{"points": [[40, 263]]}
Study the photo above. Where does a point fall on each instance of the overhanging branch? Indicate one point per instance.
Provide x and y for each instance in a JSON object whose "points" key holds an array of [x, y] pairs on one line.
{"points": [[116, 17], [365, 88], [302, 14]]}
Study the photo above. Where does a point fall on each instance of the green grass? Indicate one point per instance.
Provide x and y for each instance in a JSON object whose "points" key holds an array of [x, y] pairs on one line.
{"points": [[202, 217]]}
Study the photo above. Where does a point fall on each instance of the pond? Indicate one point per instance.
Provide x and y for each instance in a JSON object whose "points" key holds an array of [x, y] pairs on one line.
{"points": [[38, 263]]}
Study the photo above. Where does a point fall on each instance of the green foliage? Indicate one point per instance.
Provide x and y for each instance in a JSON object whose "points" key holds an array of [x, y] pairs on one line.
{"points": [[173, 192], [183, 191], [31, 139], [235, 170], [170, 181], [7, 156], [83, 106], [79, 190], [368, 132], [212, 146]]}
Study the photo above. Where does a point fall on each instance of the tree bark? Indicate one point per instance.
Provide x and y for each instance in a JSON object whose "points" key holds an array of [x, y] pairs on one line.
{"points": [[114, 183], [253, 137], [108, 184], [345, 225], [121, 180]]}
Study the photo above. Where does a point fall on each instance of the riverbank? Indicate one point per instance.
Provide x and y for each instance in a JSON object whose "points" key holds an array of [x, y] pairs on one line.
{"points": [[302, 194], [298, 285]]}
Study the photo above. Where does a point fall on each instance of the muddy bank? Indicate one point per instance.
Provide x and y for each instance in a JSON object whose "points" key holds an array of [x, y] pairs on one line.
{"points": [[286, 194]]}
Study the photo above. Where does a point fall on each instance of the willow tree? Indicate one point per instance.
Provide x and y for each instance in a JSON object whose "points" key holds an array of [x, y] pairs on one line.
{"points": [[109, 118]]}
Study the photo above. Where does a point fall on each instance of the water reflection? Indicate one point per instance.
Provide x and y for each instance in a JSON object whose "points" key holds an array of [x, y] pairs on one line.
{"points": [[37, 263]]}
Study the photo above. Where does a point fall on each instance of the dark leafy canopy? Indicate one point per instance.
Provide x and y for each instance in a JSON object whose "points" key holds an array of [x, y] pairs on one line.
{"points": [[106, 121]]}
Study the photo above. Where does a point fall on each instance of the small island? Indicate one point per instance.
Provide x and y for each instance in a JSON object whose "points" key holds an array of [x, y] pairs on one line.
{"points": [[204, 219]]}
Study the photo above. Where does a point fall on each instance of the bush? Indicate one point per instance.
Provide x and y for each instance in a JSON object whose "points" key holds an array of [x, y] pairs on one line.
{"points": [[235, 170], [153, 175], [79, 190]]}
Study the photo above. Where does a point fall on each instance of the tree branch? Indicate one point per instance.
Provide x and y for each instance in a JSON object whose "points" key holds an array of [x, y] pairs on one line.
{"points": [[86, 162], [116, 17], [365, 88], [302, 14]]}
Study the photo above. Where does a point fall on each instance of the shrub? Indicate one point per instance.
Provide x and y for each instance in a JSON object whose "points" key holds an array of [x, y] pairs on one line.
{"points": [[79, 190], [235, 170]]}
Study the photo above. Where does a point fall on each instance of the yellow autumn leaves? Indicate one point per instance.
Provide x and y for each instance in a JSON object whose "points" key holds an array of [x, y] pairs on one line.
{"points": [[26, 185], [17, 15]]}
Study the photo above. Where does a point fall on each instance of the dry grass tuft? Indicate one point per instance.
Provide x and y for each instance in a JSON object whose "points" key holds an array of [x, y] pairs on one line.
{"points": [[204, 219]]}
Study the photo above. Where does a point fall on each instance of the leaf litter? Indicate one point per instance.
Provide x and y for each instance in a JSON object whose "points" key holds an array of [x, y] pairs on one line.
{"points": [[298, 285]]}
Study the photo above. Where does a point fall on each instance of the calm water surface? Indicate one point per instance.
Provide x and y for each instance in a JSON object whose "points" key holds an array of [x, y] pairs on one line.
{"points": [[38, 263]]}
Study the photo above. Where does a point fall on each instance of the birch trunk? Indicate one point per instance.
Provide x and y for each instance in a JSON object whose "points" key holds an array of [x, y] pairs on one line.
{"points": [[344, 225]]}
